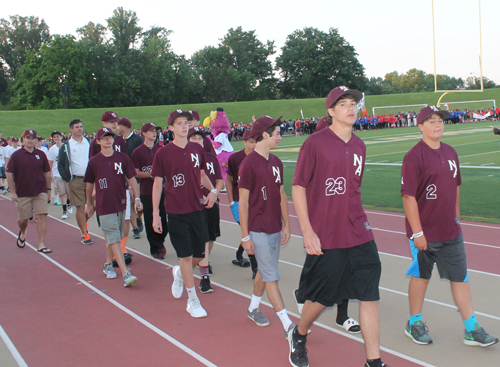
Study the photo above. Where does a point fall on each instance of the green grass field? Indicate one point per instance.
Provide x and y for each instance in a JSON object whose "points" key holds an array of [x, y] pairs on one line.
{"points": [[476, 147]]}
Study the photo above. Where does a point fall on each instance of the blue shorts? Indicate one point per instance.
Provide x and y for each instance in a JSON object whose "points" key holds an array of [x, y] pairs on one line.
{"points": [[234, 210]]}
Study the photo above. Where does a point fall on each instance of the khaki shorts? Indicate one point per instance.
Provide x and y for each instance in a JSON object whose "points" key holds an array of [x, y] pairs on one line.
{"points": [[77, 191], [26, 205], [61, 186]]}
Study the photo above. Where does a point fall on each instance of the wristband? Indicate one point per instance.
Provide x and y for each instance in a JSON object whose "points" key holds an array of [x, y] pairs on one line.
{"points": [[417, 235], [49, 189], [231, 204], [245, 239], [137, 199], [214, 191]]}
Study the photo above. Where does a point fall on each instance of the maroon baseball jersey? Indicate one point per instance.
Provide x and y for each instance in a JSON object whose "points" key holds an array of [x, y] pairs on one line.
{"points": [[119, 145], [331, 171], [263, 178], [432, 177], [181, 170], [142, 158], [109, 174], [207, 145], [233, 167], [3, 142], [29, 172], [212, 171]]}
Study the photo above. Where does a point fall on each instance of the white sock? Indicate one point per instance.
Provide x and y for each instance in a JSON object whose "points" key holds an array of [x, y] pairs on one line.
{"points": [[191, 293], [285, 320], [56, 198], [254, 303]]}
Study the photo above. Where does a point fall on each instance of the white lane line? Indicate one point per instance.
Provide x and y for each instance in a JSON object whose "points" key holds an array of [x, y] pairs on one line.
{"points": [[12, 348], [472, 155], [150, 326]]}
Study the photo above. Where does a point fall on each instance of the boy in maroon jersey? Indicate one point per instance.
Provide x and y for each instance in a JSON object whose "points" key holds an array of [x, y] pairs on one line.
{"points": [[109, 120], [142, 158], [263, 210], [109, 173], [181, 164], [195, 122], [213, 172], [233, 166], [430, 180], [342, 260]]}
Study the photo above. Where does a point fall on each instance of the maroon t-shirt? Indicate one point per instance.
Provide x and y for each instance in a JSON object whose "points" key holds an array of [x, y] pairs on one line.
{"points": [[212, 170], [233, 167], [29, 172], [432, 177], [181, 170], [331, 171], [142, 158], [119, 145], [263, 178], [109, 174]]}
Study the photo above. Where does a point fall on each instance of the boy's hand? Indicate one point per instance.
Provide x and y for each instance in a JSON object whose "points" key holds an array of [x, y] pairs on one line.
{"points": [[285, 235], [157, 223], [249, 247], [420, 243], [312, 244]]}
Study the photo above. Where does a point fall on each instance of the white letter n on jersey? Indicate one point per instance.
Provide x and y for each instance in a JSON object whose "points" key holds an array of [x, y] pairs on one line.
{"points": [[453, 166], [277, 174], [194, 158], [118, 168], [358, 161]]}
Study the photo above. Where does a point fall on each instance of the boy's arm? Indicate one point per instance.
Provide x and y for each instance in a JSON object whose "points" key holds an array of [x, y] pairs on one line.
{"points": [[12, 187], [243, 211], [284, 215], [229, 188], [157, 188], [413, 216], [311, 241], [140, 174], [89, 190]]}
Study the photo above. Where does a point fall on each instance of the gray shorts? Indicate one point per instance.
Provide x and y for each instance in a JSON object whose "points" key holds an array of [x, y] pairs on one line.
{"points": [[267, 253], [112, 226]]}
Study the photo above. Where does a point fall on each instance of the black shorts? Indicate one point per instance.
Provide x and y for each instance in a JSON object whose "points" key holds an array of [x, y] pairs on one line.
{"points": [[213, 222], [188, 233], [338, 274]]}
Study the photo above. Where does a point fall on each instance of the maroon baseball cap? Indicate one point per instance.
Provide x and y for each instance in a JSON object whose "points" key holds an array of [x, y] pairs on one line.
{"points": [[14, 139], [102, 132], [262, 124], [178, 113], [195, 130], [148, 126], [323, 122], [338, 92], [109, 116], [125, 122], [428, 111], [195, 114], [247, 134], [55, 133], [30, 132]]}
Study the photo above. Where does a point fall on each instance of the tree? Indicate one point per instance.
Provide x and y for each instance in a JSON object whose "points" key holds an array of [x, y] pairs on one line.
{"points": [[474, 82], [123, 26], [375, 86], [313, 62]]}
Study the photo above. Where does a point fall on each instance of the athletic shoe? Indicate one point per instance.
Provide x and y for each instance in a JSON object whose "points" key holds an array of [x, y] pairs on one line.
{"points": [[65, 215], [70, 209], [163, 250], [418, 332], [140, 225], [257, 317], [205, 286], [300, 305], [195, 309], [178, 284], [158, 256], [136, 233], [86, 239], [108, 270], [291, 327], [57, 202], [381, 364], [126, 256], [479, 337], [244, 263], [298, 351], [129, 279]]}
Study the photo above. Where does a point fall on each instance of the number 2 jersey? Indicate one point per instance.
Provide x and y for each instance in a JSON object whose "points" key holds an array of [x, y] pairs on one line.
{"points": [[331, 171], [432, 177]]}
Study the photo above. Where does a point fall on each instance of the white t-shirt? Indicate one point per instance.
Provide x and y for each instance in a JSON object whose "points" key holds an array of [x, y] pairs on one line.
{"points": [[44, 149], [53, 156], [2, 157], [79, 156], [9, 150]]}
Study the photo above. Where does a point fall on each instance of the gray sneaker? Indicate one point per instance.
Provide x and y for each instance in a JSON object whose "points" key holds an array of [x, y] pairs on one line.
{"points": [[479, 337], [418, 332], [136, 234], [129, 279], [291, 327], [108, 270], [257, 317]]}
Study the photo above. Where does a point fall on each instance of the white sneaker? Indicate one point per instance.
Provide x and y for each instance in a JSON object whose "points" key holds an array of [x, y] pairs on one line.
{"points": [[195, 309], [65, 215], [129, 279], [178, 284], [70, 209], [108, 270]]}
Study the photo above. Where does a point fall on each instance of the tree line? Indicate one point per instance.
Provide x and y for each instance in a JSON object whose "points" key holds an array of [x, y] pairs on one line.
{"points": [[120, 64]]}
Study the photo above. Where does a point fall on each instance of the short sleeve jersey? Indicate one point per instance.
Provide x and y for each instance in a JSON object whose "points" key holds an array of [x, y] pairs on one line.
{"points": [[142, 158], [109, 174], [212, 171], [119, 145], [233, 167], [181, 170], [53, 157], [207, 145], [263, 178], [432, 177], [29, 172], [331, 171]]}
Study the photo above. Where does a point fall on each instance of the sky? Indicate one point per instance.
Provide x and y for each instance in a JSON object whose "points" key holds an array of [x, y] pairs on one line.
{"points": [[388, 35]]}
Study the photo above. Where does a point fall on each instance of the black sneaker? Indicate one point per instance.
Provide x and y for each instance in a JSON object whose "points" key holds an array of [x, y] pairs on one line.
{"points": [[205, 286], [381, 364], [298, 351], [140, 225], [128, 259]]}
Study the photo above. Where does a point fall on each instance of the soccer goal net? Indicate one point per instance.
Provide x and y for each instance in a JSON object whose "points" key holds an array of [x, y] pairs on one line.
{"points": [[385, 110], [470, 105]]}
